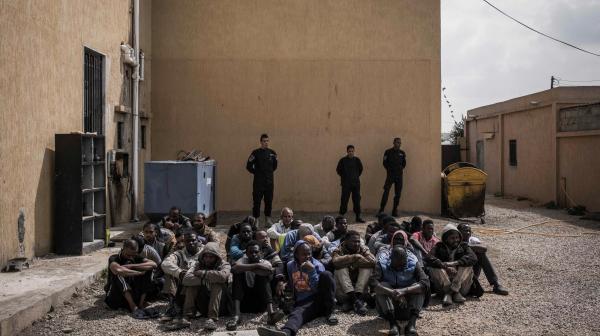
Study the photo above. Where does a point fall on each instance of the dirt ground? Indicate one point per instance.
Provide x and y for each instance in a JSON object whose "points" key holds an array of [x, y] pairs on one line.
{"points": [[552, 270]]}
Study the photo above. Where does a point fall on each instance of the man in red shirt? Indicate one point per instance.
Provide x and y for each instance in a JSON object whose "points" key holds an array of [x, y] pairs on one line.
{"points": [[424, 240]]}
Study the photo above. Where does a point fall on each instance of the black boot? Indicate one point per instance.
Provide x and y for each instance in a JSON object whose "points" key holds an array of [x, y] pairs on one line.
{"points": [[500, 290], [395, 208], [411, 327]]}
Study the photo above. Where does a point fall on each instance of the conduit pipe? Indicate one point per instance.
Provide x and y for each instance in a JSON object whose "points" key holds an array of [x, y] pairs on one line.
{"points": [[136, 114]]}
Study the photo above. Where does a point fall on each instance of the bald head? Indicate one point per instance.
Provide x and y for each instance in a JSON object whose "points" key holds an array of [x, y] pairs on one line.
{"points": [[287, 215], [399, 258]]}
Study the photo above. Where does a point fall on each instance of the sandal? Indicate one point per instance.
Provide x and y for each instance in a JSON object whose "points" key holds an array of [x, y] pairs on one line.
{"points": [[139, 314], [332, 320], [178, 324], [232, 324], [152, 312], [277, 316]]}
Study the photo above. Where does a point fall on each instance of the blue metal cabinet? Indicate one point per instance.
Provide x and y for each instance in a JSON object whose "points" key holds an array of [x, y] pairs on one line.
{"points": [[188, 185]]}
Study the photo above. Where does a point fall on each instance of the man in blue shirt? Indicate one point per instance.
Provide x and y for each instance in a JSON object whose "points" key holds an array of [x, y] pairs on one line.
{"points": [[314, 292], [401, 286]]}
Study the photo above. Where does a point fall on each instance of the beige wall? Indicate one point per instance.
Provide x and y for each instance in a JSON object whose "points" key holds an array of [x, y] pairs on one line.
{"points": [[544, 156], [41, 87], [579, 163], [533, 177], [316, 76], [491, 150]]}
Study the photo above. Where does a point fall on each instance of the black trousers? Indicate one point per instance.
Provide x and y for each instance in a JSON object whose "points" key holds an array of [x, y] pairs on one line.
{"points": [[484, 263], [136, 285], [321, 304], [260, 190], [348, 190], [397, 182], [252, 299]]}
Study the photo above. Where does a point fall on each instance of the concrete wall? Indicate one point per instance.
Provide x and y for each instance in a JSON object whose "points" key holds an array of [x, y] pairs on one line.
{"points": [[41, 93], [533, 177], [477, 130], [316, 76], [579, 161], [546, 158]]}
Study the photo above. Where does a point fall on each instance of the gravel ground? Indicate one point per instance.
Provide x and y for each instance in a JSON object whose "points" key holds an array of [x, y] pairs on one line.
{"points": [[552, 271]]}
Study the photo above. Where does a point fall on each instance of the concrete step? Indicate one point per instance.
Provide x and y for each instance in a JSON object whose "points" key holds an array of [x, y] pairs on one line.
{"points": [[29, 295]]}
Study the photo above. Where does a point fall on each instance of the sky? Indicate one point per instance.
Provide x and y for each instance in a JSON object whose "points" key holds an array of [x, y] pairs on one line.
{"points": [[487, 57]]}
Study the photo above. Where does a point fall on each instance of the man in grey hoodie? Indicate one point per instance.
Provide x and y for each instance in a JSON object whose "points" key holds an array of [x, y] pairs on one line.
{"points": [[205, 284], [450, 265]]}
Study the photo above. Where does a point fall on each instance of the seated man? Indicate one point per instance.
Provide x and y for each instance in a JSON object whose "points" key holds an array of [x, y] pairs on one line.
{"points": [[150, 231], [339, 230], [252, 286], [205, 285], [239, 241], [450, 265], [353, 264], [175, 266], [270, 255], [235, 229], [292, 237], [267, 252], [319, 252], [483, 261], [416, 224], [129, 280], [386, 221], [399, 238], [335, 236], [374, 226], [203, 232], [424, 240], [327, 224], [278, 230], [385, 238], [178, 242], [400, 286], [314, 292], [146, 251], [175, 220]]}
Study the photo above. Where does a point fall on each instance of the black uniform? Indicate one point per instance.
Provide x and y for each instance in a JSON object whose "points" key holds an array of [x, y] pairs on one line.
{"points": [[394, 161], [350, 169], [262, 163]]}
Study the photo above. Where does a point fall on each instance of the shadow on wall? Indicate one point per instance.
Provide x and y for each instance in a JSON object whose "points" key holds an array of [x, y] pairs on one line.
{"points": [[43, 220]]}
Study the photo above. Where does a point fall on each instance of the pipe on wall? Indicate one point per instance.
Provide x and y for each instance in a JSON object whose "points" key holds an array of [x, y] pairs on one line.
{"points": [[136, 115]]}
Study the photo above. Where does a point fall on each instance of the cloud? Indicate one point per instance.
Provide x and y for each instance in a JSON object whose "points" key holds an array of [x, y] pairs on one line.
{"points": [[486, 57]]}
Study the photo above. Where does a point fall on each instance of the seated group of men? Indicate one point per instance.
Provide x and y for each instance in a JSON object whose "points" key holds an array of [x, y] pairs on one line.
{"points": [[296, 269]]}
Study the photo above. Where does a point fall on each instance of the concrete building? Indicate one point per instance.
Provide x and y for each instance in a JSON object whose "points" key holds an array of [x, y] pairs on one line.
{"points": [[315, 75], [544, 146], [42, 47]]}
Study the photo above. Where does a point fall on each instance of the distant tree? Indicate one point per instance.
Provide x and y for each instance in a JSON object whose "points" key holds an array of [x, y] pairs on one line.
{"points": [[458, 131]]}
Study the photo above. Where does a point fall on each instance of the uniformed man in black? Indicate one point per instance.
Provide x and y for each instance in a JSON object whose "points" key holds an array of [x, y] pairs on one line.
{"points": [[262, 163], [394, 161], [350, 168]]}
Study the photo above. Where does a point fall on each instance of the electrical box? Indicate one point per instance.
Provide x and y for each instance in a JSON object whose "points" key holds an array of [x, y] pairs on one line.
{"points": [[189, 185]]}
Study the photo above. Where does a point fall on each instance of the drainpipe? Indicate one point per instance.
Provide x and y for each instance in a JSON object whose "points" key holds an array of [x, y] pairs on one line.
{"points": [[136, 115]]}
